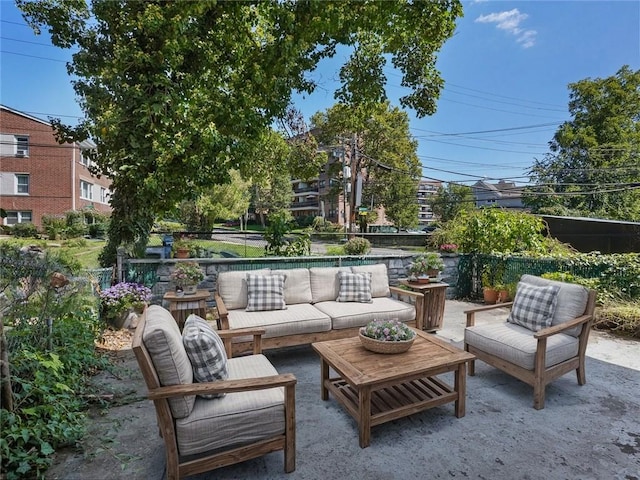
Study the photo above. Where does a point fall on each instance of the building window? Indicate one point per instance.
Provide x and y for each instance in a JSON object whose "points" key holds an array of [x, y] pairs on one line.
{"points": [[22, 146], [104, 195], [17, 217], [84, 158], [22, 184], [86, 190]]}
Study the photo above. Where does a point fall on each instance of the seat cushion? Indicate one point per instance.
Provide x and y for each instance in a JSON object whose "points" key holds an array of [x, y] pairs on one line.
{"points": [[238, 418], [347, 315], [205, 350], [232, 287], [324, 283], [533, 306], [516, 344], [572, 300], [299, 318], [297, 285], [163, 341], [354, 287], [265, 292], [379, 278]]}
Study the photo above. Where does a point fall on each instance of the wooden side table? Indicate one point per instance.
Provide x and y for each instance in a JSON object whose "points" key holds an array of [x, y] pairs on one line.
{"points": [[182, 307], [432, 307]]}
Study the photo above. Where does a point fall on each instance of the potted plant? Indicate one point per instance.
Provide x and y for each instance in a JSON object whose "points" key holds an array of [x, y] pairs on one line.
{"points": [[449, 249], [386, 336], [187, 275], [122, 299], [492, 284], [425, 266], [180, 249]]}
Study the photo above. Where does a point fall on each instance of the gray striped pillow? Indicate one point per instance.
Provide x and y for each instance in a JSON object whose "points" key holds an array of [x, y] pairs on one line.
{"points": [[205, 350], [354, 287], [265, 292], [533, 306]]}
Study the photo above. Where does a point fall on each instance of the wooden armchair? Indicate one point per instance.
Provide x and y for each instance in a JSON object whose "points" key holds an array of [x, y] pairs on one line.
{"points": [[256, 415], [536, 357]]}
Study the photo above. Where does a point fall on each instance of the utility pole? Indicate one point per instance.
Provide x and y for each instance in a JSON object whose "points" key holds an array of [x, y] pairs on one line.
{"points": [[355, 169]]}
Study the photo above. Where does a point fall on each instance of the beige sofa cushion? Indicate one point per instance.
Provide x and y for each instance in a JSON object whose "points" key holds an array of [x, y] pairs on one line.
{"points": [[571, 301], [379, 278], [298, 318], [347, 315], [325, 285], [517, 345], [237, 418], [297, 285], [232, 287], [163, 340]]}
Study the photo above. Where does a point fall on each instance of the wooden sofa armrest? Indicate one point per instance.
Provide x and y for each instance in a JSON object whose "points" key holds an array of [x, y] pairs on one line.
{"points": [[407, 293], [223, 314], [471, 313], [227, 335], [554, 329], [224, 386]]}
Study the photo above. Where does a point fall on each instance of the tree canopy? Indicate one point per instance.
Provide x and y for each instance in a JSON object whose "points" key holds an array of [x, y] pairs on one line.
{"points": [[385, 151], [174, 92], [593, 168], [450, 200]]}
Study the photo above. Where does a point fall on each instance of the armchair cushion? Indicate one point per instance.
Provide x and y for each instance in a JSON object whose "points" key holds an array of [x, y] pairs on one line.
{"points": [[265, 292], [354, 287], [517, 345], [162, 338], [533, 306], [206, 351], [237, 418]]}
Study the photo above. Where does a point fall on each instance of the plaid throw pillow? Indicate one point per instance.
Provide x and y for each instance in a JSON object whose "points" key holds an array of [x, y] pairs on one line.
{"points": [[354, 287], [533, 306], [205, 350], [265, 292]]}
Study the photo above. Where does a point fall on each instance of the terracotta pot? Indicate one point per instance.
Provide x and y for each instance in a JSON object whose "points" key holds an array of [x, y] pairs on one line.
{"points": [[182, 253], [490, 295], [503, 296]]}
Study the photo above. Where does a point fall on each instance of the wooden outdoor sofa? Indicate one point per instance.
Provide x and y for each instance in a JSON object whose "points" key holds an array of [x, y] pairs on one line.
{"points": [[536, 353], [310, 311]]}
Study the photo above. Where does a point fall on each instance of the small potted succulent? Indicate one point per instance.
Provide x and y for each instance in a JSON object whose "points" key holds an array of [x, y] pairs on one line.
{"points": [[187, 275], [387, 336]]}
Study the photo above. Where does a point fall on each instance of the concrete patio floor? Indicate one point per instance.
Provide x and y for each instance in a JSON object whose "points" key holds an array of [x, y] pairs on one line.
{"points": [[585, 432]]}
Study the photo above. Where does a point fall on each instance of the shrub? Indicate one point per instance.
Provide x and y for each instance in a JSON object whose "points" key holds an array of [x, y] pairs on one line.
{"points": [[24, 230], [53, 225], [357, 246], [51, 353]]}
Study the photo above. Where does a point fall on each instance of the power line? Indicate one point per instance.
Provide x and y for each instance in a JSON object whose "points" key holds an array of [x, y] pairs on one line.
{"points": [[33, 56]]}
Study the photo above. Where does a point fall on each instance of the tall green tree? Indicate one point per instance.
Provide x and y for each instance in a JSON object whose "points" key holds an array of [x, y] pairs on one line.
{"points": [[594, 165], [448, 201], [383, 150], [226, 201], [173, 92]]}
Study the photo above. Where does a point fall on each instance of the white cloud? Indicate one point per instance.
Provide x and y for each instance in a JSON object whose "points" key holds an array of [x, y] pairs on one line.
{"points": [[510, 22]]}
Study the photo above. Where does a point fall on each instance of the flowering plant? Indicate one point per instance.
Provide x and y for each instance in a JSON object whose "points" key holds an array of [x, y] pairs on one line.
{"points": [[124, 296], [426, 262], [187, 273], [448, 248], [387, 331]]}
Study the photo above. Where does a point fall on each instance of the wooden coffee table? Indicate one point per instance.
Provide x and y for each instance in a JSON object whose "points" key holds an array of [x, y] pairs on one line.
{"points": [[377, 388]]}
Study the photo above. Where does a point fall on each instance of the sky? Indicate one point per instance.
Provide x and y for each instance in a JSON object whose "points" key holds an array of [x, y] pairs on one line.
{"points": [[507, 71]]}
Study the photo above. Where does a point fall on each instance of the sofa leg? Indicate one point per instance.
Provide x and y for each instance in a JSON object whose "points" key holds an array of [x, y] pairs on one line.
{"points": [[472, 368], [580, 373], [538, 397]]}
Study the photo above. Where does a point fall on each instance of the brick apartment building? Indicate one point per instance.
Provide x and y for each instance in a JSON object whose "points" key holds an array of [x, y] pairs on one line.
{"points": [[38, 176]]}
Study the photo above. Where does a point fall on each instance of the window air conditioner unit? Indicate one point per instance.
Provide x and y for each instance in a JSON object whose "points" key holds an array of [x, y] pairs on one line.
{"points": [[21, 153]]}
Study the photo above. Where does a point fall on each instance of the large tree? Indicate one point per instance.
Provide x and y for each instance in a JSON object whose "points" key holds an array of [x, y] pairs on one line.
{"points": [[383, 150], [174, 91], [594, 166], [450, 200]]}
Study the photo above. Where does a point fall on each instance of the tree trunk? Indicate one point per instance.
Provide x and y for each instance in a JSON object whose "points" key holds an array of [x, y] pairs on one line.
{"points": [[6, 393]]}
